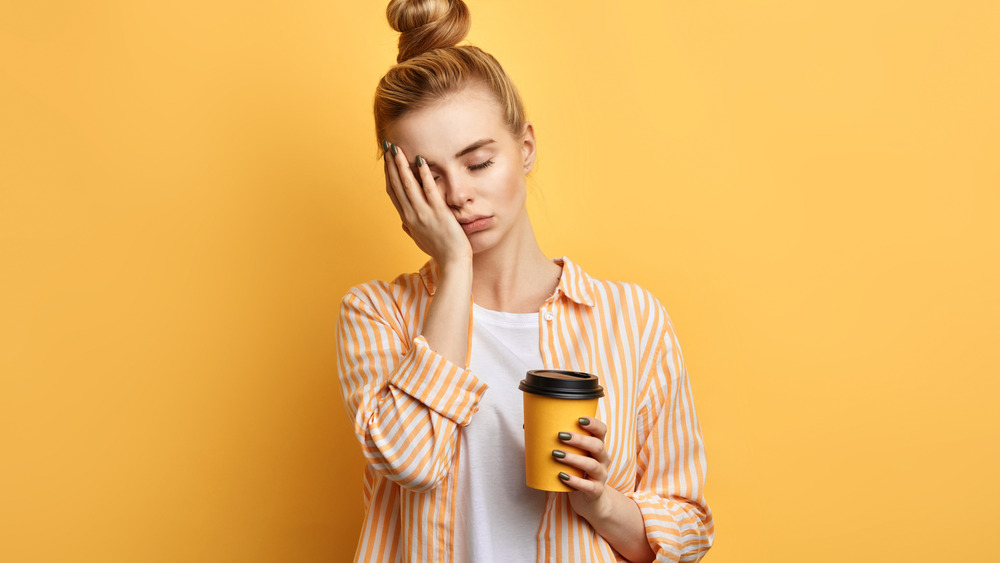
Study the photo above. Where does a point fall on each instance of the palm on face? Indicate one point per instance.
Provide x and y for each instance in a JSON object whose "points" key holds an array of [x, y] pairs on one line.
{"points": [[426, 217]]}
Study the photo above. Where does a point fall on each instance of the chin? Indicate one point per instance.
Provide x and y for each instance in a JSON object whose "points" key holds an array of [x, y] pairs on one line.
{"points": [[481, 241]]}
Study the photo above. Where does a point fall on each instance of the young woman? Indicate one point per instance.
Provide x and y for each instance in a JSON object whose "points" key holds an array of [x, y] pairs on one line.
{"points": [[430, 362]]}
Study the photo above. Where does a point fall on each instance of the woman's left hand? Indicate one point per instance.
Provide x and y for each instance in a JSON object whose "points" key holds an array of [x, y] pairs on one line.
{"points": [[589, 499], [616, 517]]}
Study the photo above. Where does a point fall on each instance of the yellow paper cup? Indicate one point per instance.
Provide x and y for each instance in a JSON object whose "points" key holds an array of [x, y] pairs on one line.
{"points": [[554, 401]]}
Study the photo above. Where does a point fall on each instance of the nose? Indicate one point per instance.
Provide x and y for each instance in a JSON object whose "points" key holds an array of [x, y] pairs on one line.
{"points": [[458, 191]]}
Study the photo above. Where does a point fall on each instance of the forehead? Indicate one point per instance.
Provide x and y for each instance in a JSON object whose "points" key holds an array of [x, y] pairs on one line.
{"points": [[450, 124]]}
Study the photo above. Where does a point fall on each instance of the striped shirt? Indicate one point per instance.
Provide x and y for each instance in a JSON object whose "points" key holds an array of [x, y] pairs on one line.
{"points": [[408, 405]]}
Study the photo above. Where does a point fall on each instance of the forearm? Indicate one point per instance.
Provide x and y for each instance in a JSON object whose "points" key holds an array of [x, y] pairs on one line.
{"points": [[405, 399], [446, 326], [620, 523]]}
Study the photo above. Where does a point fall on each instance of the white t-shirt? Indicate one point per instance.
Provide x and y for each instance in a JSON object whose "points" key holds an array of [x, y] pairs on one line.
{"points": [[497, 514]]}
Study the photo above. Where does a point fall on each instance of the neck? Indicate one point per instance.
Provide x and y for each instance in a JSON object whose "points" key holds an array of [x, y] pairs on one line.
{"points": [[514, 276]]}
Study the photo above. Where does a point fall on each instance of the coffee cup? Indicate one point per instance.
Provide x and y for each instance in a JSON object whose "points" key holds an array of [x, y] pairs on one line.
{"points": [[554, 401]]}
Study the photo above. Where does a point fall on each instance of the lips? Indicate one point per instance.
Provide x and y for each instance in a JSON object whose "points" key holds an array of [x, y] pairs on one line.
{"points": [[472, 219], [477, 223]]}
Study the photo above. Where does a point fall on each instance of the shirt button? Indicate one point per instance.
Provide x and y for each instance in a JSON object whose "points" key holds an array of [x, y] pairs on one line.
{"points": [[549, 315]]}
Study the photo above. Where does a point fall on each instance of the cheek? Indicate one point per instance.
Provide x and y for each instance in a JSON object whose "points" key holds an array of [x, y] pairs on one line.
{"points": [[511, 184]]}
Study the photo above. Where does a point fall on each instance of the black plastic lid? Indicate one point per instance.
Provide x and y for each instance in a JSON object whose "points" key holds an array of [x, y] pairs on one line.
{"points": [[561, 384]]}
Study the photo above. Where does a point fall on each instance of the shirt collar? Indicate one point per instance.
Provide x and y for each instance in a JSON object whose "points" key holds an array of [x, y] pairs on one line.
{"points": [[574, 283]]}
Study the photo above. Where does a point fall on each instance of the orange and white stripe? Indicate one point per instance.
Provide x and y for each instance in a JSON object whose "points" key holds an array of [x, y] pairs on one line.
{"points": [[408, 405]]}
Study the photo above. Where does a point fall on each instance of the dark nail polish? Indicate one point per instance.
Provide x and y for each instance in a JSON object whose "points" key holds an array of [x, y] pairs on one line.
{"points": [[385, 145], [584, 421], [565, 436], [395, 151], [563, 476], [420, 161], [558, 454]]}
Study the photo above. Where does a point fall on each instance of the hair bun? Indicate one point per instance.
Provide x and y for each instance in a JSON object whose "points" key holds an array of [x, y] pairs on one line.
{"points": [[427, 24]]}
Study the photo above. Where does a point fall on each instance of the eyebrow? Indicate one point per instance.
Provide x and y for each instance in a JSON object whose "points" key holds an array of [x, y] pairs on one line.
{"points": [[474, 146], [478, 144]]}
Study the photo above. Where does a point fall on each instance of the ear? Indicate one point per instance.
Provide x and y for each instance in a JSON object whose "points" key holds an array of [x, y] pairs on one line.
{"points": [[528, 147]]}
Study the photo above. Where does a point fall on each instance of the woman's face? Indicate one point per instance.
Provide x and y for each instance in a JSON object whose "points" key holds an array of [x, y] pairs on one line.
{"points": [[478, 165]]}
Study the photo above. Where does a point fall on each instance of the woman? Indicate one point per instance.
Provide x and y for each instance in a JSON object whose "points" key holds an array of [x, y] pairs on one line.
{"points": [[430, 362]]}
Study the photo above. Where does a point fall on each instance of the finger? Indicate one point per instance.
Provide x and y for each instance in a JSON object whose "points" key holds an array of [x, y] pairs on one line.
{"points": [[599, 430], [592, 468], [431, 191], [396, 185], [411, 188], [388, 185], [590, 444], [586, 486], [594, 426]]}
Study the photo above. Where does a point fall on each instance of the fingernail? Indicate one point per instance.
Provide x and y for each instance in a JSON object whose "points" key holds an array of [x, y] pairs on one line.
{"points": [[584, 421], [559, 454], [564, 436], [563, 476], [420, 161], [385, 145], [395, 151]]}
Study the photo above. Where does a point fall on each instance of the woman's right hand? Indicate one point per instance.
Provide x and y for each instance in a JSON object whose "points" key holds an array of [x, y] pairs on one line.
{"points": [[426, 217]]}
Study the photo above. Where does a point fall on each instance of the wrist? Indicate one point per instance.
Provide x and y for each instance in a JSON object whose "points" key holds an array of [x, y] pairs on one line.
{"points": [[455, 268], [600, 510], [604, 510]]}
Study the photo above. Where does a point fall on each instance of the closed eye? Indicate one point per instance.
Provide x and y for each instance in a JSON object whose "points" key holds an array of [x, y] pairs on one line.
{"points": [[475, 167]]}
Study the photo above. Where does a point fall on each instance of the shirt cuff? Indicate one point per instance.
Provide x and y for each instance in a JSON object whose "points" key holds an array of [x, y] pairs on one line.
{"points": [[443, 386], [670, 529]]}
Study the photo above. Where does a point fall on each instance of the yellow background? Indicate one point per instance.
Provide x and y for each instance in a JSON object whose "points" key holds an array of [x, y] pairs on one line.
{"points": [[188, 188]]}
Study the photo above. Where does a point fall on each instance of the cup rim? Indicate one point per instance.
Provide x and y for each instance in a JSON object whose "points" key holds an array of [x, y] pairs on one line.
{"points": [[580, 385]]}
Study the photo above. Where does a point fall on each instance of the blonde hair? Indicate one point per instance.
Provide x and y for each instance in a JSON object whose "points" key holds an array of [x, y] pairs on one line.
{"points": [[431, 64]]}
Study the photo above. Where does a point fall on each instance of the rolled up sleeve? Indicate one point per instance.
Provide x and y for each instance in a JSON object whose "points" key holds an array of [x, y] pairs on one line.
{"points": [[405, 400], [671, 462]]}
